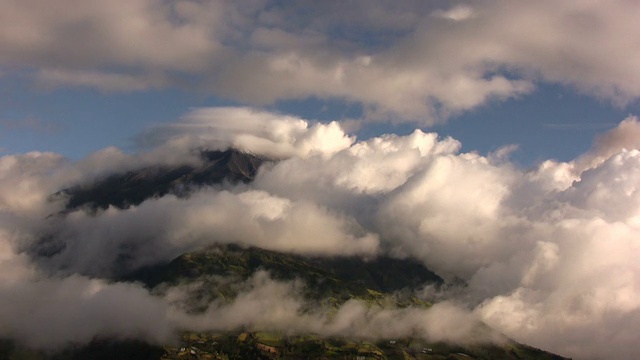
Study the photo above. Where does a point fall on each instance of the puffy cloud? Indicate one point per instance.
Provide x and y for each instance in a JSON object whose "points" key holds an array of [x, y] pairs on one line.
{"points": [[139, 33], [50, 313], [450, 210], [625, 136], [402, 60], [353, 179], [262, 132], [612, 197], [583, 284], [27, 180], [46, 311], [547, 255], [116, 241]]}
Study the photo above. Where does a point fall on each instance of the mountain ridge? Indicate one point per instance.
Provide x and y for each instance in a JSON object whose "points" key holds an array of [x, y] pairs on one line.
{"points": [[131, 188], [331, 279]]}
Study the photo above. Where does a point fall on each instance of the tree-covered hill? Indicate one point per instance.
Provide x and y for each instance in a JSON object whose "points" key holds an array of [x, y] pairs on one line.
{"points": [[335, 279]]}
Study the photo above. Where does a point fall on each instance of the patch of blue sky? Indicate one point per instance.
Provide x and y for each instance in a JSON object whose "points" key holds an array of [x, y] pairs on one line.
{"points": [[554, 122], [84, 120]]}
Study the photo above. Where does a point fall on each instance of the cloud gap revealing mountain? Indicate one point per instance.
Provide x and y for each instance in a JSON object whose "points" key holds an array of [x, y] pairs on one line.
{"points": [[123, 190]]}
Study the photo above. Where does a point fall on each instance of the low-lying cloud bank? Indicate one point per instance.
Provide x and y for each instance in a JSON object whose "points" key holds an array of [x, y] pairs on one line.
{"points": [[549, 254], [268, 304], [50, 313]]}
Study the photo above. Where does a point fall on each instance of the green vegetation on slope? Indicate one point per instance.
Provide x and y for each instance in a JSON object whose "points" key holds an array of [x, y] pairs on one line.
{"points": [[330, 280], [269, 345]]}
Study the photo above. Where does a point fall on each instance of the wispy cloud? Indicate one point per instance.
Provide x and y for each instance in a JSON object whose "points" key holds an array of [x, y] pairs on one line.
{"points": [[580, 126], [30, 123]]}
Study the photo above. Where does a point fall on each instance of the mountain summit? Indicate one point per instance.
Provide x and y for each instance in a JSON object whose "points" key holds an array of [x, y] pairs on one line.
{"points": [[131, 188]]}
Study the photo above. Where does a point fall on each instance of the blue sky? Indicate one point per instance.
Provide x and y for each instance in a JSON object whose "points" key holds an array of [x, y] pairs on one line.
{"points": [[554, 122], [72, 95]]}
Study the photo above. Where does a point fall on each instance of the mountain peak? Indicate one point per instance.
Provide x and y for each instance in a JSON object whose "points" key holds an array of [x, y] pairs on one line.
{"points": [[131, 188]]}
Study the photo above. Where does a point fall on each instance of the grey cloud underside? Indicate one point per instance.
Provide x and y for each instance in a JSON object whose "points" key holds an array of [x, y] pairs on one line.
{"points": [[401, 60]]}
